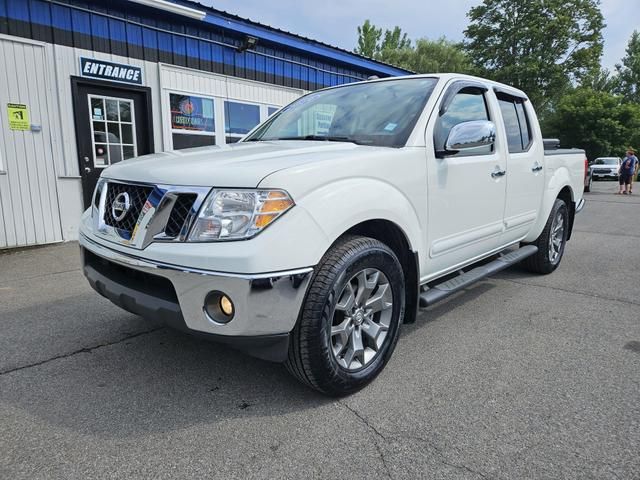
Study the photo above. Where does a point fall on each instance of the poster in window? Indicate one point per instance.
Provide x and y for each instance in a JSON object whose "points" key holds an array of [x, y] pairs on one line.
{"points": [[193, 114]]}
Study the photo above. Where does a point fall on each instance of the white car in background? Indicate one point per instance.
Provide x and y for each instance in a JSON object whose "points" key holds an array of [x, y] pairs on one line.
{"points": [[605, 167]]}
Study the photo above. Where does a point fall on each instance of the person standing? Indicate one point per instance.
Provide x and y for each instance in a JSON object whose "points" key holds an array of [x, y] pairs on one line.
{"points": [[627, 171]]}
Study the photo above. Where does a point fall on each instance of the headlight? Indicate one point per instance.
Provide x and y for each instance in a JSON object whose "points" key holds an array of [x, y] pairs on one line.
{"points": [[238, 214]]}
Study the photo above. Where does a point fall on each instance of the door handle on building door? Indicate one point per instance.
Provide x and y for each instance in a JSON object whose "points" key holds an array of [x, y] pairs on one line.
{"points": [[87, 170]]}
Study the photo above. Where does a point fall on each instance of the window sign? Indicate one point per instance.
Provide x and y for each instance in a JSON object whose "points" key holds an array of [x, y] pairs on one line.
{"points": [[239, 119], [191, 114]]}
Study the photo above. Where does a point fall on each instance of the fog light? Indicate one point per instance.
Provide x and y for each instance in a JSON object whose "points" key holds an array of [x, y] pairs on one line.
{"points": [[219, 307], [226, 306]]}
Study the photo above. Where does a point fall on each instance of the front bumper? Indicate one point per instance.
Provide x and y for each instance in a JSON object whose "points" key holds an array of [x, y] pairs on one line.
{"points": [[266, 305], [612, 175]]}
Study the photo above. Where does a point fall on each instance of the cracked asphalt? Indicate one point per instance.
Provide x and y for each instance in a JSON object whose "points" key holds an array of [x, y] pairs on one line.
{"points": [[519, 377]]}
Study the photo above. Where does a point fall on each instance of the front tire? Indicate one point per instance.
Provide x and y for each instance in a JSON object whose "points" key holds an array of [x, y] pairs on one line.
{"points": [[350, 321], [551, 242]]}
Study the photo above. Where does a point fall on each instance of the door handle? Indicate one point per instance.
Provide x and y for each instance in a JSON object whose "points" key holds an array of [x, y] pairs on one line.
{"points": [[498, 173], [536, 168], [86, 159], [87, 170]]}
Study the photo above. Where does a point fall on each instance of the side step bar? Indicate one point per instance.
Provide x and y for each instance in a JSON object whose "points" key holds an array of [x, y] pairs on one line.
{"points": [[462, 281]]}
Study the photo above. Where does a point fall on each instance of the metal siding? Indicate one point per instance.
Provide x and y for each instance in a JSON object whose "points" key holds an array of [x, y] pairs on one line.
{"points": [[28, 195], [88, 25]]}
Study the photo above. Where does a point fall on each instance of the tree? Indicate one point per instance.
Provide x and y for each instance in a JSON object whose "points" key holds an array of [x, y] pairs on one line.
{"points": [[539, 46], [395, 40], [429, 56], [602, 123], [601, 80], [629, 70], [368, 39]]}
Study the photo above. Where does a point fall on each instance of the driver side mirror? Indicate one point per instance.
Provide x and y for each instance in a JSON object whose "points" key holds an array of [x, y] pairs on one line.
{"points": [[468, 136]]}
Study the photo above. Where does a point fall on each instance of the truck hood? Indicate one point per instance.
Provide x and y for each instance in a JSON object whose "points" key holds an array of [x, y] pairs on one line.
{"points": [[235, 165]]}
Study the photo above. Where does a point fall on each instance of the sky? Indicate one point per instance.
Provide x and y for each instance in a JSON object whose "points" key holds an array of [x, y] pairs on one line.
{"points": [[335, 21]]}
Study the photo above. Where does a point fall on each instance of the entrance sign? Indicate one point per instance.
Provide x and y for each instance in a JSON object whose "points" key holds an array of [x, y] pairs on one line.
{"points": [[18, 116], [115, 72]]}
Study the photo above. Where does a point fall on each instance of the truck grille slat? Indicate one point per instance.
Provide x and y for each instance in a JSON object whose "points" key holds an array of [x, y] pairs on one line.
{"points": [[180, 214]]}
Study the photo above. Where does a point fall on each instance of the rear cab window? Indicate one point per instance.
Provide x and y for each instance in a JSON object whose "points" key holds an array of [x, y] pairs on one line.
{"points": [[516, 122]]}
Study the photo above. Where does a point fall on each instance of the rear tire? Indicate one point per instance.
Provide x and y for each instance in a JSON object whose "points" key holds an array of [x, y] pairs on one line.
{"points": [[588, 187], [551, 242], [350, 320]]}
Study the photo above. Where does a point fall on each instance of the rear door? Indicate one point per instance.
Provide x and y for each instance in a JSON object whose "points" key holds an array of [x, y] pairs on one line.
{"points": [[525, 166], [466, 192]]}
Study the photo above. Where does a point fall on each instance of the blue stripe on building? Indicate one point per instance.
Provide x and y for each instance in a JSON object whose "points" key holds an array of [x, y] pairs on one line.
{"points": [[136, 31]]}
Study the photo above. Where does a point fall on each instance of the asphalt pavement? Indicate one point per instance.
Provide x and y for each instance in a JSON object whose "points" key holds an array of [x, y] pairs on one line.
{"points": [[519, 377]]}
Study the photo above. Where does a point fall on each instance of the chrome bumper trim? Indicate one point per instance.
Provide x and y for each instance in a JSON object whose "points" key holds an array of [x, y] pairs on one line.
{"points": [[136, 261], [265, 303]]}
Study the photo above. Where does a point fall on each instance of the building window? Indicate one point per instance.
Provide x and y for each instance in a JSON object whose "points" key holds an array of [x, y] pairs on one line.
{"points": [[113, 130], [239, 119], [192, 121], [272, 110]]}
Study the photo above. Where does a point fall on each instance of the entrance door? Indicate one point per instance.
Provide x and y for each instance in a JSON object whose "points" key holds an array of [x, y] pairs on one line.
{"points": [[113, 124]]}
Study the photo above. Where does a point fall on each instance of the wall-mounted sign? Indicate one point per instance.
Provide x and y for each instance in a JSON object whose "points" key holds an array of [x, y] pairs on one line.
{"points": [[191, 113], [114, 72], [18, 116]]}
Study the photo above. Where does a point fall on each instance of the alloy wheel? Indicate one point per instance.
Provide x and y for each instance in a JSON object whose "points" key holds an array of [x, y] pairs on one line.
{"points": [[361, 319]]}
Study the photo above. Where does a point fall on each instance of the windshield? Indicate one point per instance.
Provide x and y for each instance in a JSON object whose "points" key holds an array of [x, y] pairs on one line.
{"points": [[606, 161], [375, 113]]}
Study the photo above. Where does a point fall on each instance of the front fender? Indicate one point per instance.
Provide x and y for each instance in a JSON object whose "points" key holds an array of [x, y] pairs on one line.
{"points": [[340, 205]]}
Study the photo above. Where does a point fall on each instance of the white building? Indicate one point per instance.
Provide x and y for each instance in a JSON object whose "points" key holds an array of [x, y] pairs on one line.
{"points": [[86, 85]]}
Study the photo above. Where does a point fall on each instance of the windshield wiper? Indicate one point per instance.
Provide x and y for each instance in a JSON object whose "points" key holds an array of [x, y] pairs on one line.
{"points": [[325, 138]]}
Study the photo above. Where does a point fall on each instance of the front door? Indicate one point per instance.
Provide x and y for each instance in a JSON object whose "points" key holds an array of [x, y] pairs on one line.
{"points": [[466, 191], [113, 124]]}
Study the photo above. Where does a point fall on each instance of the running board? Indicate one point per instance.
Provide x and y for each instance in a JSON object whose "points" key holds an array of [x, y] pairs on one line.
{"points": [[462, 281]]}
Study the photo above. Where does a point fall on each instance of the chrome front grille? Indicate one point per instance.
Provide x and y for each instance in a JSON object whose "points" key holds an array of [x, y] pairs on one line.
{"points": [[137, 194], [162, 213]]}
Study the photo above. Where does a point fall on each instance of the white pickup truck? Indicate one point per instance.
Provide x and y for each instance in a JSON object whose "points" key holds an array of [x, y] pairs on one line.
{"points": [[329, 225]]}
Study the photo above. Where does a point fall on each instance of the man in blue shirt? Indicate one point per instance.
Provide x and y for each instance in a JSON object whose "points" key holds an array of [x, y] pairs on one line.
{"points": [[627, 171]]}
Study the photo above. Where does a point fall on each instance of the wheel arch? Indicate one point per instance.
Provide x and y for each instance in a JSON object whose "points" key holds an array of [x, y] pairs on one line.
{"points": [[397, 240]]}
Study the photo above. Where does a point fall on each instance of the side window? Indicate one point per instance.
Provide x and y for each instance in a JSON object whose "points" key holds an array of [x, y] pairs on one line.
{"points": [[525, 128], [467, 105], [511, 125], [516, 123]]}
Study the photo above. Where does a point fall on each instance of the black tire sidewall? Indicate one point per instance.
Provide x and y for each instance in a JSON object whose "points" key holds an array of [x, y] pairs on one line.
{"points": [[338, 380], [557, 207]]}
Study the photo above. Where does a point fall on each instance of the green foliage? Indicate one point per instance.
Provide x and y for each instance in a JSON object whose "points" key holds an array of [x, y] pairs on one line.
{"points": [[427, 56], [602, 123], [539, 46], [368, 39], [601, 80], [394, 40], [629, 70]]}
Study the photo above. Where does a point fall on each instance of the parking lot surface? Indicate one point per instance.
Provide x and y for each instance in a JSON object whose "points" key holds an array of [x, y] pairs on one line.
{"points": [[521, 376]]}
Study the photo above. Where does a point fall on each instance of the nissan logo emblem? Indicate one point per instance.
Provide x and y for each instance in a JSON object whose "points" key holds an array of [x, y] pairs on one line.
{"points": [[120, 206]]}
